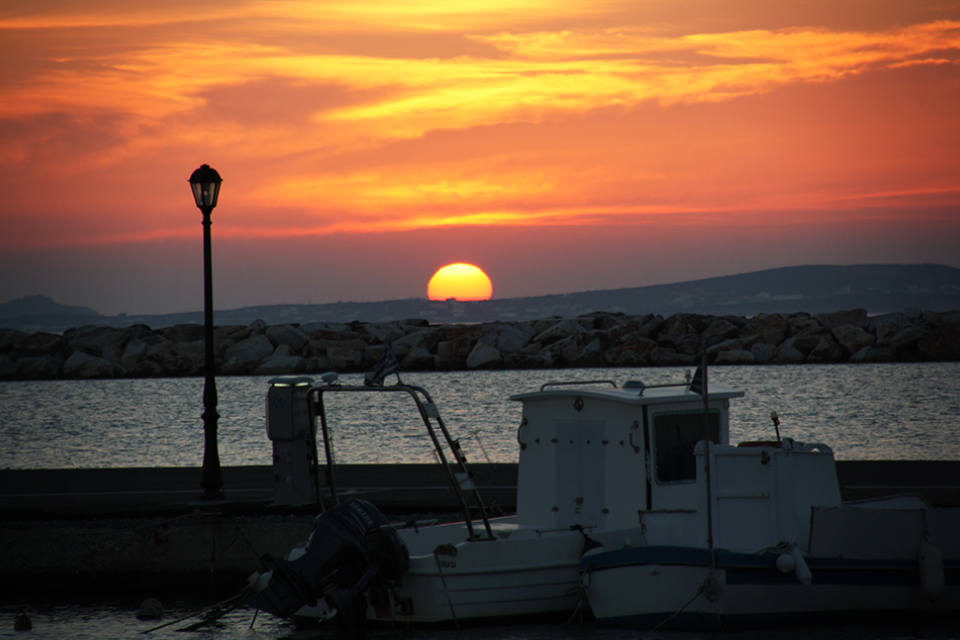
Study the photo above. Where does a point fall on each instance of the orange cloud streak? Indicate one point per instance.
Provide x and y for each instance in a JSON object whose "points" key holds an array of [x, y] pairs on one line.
{"points": [[499, 64]]}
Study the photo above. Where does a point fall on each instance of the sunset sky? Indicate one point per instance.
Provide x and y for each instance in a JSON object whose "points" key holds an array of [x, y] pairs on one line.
{"points": [[560, 146]]}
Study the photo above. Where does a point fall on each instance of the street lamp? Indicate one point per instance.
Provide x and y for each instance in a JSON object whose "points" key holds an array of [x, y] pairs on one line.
{"points": [[206, 187]]}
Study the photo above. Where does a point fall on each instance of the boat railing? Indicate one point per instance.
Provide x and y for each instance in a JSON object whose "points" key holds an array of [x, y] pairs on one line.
{"points": [[571, 383], [662, 386], [459, 476]]}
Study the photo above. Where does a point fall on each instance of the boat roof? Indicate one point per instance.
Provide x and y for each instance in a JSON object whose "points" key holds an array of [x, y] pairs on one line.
{"points": [[631, 394]]}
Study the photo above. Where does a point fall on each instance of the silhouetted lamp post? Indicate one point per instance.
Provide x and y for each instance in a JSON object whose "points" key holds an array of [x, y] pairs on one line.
{"points": [[206, 187]]}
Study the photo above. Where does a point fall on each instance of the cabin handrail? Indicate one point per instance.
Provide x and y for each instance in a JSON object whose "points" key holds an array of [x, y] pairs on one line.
{"points": [[661, 386], [569, 383], [317, 410]]}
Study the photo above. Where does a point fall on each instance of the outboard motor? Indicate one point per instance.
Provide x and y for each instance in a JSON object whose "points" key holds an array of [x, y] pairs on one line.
{"points": [[352, 548]]}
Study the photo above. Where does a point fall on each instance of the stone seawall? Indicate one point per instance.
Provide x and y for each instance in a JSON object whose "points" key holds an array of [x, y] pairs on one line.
{"points": [[593, 340]]}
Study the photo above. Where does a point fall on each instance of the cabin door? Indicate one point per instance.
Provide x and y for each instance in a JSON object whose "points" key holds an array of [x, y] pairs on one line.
{"points": [[579, 473]]}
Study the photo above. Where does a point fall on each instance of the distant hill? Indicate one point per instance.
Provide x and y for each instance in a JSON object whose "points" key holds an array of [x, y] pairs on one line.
{"points": [[814, 289], [41, 306]]}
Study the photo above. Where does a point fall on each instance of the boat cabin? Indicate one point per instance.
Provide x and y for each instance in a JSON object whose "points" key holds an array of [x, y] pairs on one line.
{"points": [[594, 456]]}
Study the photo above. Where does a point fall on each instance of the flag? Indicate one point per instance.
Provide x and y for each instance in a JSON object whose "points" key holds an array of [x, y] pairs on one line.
{"points": [[387, 365], [696, 385]]}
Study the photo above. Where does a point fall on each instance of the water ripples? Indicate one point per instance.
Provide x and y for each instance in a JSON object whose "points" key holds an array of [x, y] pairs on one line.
{"points": [[882, 411]]}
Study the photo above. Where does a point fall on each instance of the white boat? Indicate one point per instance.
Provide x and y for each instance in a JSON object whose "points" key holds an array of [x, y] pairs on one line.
{"points": [[359, 566], [616, 506], [757, 535], [581, 482]]}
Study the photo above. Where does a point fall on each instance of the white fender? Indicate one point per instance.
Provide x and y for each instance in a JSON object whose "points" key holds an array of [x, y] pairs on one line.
{"points": [[785, 563], [802, 570], [816, 446], [931, 570]]}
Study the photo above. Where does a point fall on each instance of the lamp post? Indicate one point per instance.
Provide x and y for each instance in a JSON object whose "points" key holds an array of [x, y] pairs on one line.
{"points": [[206, 187]]}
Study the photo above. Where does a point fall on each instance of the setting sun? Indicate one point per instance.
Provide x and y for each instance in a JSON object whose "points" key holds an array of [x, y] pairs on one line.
{"points": [[464, 282]]}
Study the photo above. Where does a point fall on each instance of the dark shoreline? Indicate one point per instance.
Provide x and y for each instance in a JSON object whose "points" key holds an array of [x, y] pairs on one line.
{"points": [[592, 340]]}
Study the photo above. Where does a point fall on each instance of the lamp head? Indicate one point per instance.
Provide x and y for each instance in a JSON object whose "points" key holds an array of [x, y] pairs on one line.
{"points": [[206, 186]]}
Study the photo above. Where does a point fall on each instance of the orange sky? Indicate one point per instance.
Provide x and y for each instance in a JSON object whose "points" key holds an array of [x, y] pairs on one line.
{"points": [[560, 146]]}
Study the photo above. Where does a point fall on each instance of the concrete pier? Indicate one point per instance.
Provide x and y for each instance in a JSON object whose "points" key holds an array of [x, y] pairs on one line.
{"points": [[146, 532]]}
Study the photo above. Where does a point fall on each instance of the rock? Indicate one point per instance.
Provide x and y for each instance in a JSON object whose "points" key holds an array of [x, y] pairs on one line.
{"points": [[624, 358], [591, 355], [45, 367], [316, 364], [734, 344], [345, 358], [559, 331], [282, 361], [387, 331], [788, 354], [37, 344], [577, 348], [771, 328], [799, 322], [686, 323], [856, 317], [8, 367], [250, 351], [184, 332], [510, 337], [872, 355], [610, 321], [230, 334], [92, 339], [417, 359], [539, 326], [907, 336], [112, 355], [897, 330], [661, 357], [943, 344], [83, 365], [422, 338], [133, 354], [146, 369], [522, 360], [719, 330], [287, 334], [762, 352], [808, 339], [484, 357], [827, 351], [319, 347], [735, 356], [852, 338], [10, 337], [632, 354], [258, 326], [457, 348], [687, 343]]}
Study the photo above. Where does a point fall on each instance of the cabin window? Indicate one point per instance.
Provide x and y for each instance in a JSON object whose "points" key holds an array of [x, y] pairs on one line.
{"points": [[676, 435]]}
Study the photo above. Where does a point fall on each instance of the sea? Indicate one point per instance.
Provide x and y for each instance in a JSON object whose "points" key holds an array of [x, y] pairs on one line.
{"points": [[903, 411]]}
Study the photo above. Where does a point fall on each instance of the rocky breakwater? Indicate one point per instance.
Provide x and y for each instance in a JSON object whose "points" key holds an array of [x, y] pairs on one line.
{"points": [[594, 340]]}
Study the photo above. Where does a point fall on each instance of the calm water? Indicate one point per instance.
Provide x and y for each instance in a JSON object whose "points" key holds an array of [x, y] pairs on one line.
{"points": [[118, 621], [884, 411], [902, 411]]}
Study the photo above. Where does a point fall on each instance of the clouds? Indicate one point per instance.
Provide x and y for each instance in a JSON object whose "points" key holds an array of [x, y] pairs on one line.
{"points": [[379, 117]]}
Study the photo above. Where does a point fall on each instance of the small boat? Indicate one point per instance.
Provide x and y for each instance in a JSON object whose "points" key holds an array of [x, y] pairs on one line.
{"points": [[358, 566], [761, 538], [629, 499], [584, 450]]}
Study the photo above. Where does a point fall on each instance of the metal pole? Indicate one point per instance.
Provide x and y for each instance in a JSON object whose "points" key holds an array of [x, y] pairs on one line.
{"points": [[212, 479]]}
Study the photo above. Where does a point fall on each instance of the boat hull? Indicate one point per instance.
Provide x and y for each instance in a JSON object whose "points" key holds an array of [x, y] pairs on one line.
{"points": [[522, 572], [674, 587]]}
